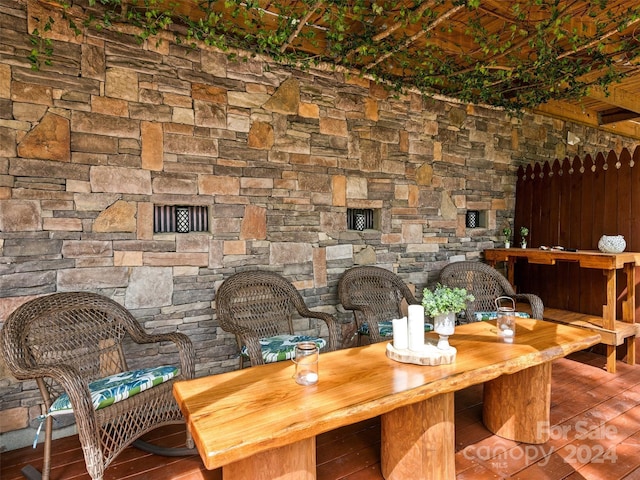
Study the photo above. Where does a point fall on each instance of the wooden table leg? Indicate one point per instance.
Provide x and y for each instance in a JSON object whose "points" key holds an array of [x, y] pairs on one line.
{"points": [[517, 406], [629, 310], [296, 461], [418, 440]]}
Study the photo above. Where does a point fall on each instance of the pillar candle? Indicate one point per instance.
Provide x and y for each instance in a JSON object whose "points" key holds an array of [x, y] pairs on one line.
{"points": [[400, 333], [416, 327]]}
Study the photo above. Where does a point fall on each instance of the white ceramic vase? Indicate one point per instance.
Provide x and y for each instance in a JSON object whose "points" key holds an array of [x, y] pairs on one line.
{"points": [[612, 244], [444, 325]]}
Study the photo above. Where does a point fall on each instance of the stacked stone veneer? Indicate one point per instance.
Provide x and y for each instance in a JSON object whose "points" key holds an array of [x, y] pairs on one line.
{"points": [[90, 144]]}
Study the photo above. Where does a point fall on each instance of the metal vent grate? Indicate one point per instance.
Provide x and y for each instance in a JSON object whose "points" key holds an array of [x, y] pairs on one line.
{"points": [[359, 218], [180, 219]]}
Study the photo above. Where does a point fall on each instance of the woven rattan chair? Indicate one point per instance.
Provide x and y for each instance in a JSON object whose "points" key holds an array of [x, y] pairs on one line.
{"points": [[375, 295], [486, 284], [259, 305], [65, 341]]}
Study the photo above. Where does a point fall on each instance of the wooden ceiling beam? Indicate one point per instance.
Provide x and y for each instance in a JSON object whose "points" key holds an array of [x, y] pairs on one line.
{"points": [[574, 113], [615, 115]]}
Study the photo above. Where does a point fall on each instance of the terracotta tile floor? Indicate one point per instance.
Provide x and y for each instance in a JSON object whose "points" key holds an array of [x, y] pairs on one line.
{"points": [[595, 435]]}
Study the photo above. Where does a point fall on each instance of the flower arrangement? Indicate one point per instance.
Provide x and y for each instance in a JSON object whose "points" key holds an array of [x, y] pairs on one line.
{"points": [[445, 300], [524, 231]]}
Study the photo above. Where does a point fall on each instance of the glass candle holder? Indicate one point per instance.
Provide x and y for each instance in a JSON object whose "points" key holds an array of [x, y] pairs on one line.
{"points": [[306, 359]]}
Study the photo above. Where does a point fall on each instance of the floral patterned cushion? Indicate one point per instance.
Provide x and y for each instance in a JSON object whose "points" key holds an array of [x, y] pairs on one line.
{"points": [[386, 328], [282, 347], [109, 390], [481, 316]]}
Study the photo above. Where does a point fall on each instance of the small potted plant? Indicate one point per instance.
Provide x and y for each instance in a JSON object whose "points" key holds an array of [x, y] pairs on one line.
{"points": [[524, 231], [442, 304], [506, 231]]}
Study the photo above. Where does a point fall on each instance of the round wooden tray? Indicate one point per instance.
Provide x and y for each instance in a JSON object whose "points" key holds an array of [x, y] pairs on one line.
{"points": [[429, 355]]}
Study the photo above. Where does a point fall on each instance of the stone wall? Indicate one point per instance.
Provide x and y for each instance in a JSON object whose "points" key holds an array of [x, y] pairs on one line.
{"points": [[91, 143]]}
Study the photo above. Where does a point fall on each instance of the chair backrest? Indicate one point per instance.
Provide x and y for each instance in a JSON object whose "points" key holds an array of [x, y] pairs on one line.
{"points": [[258, 300], [484, 282], [81, 330], [379, 290]]}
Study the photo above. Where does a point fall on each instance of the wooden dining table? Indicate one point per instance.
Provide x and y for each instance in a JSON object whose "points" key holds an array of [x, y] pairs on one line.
{"points": [[258, 423]]}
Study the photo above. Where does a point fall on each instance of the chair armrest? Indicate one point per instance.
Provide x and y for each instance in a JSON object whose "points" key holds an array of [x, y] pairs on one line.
{"points": [[251, 340], [180, 340], [332, 326], [370, 317], [537, 307]]}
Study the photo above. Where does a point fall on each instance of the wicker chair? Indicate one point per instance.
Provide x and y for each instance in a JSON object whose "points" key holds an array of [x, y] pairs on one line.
{"points": [[374, 295], [486, 284], [257, 305], [65, 341]]}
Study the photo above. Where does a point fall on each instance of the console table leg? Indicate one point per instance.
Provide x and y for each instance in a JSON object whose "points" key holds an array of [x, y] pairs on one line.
{"points": [[418, 440], [517, 406], [296, 461]]}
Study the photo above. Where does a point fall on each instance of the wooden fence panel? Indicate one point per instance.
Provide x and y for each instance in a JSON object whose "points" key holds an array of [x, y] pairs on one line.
{"points": [[573, 203]]}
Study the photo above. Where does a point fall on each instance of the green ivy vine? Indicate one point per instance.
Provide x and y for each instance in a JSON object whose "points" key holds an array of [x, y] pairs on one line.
{"points": [[345, 33]]}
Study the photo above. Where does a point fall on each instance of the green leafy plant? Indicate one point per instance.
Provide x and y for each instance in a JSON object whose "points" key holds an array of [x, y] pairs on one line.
{"points": [[564, 54], [524, 231], [506, 231], [444, 299]]}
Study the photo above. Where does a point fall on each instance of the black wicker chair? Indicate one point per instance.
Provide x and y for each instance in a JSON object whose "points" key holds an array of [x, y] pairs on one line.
{"points": [[255, 305], [486, 284], [375, 295], [67, 341]]}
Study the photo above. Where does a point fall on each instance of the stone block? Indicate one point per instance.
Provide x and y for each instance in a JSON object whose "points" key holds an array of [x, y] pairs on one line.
{"points": [[7, 142], [261, 136], [314, 182], [152, 140], [5, 81], [86, 248], [93, 62], [339, 252], [209, 114], [121, 83], [339, 190], [110, 106], [192, 242], [120, 180], [235, 247], [411, 232], [176, 184], [28, 112], [62, 224], [14, 419], [170, 259], [286, 98], [73, 279], [188, 145], [127, 259], [218, 185], [20, 216], [30, 93], [254, 223], [357, 188], [333, 126], [49, 140], [319, 267], [105, 125], [149, 287], [282, 253], [119, 217], [248, 100]]}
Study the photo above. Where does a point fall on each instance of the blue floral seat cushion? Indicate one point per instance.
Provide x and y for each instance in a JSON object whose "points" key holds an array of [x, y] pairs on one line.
{"points": [[482, 316], [386, 328], [282, 347], [114, 388]]}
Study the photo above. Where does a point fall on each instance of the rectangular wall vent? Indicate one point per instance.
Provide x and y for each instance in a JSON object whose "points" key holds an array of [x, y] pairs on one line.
{"points": [[180, 219], [359, 218]]}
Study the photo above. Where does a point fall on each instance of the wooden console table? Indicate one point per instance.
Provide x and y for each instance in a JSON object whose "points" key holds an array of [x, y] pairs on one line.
{"points": [[613, 331], [258, 423]]}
